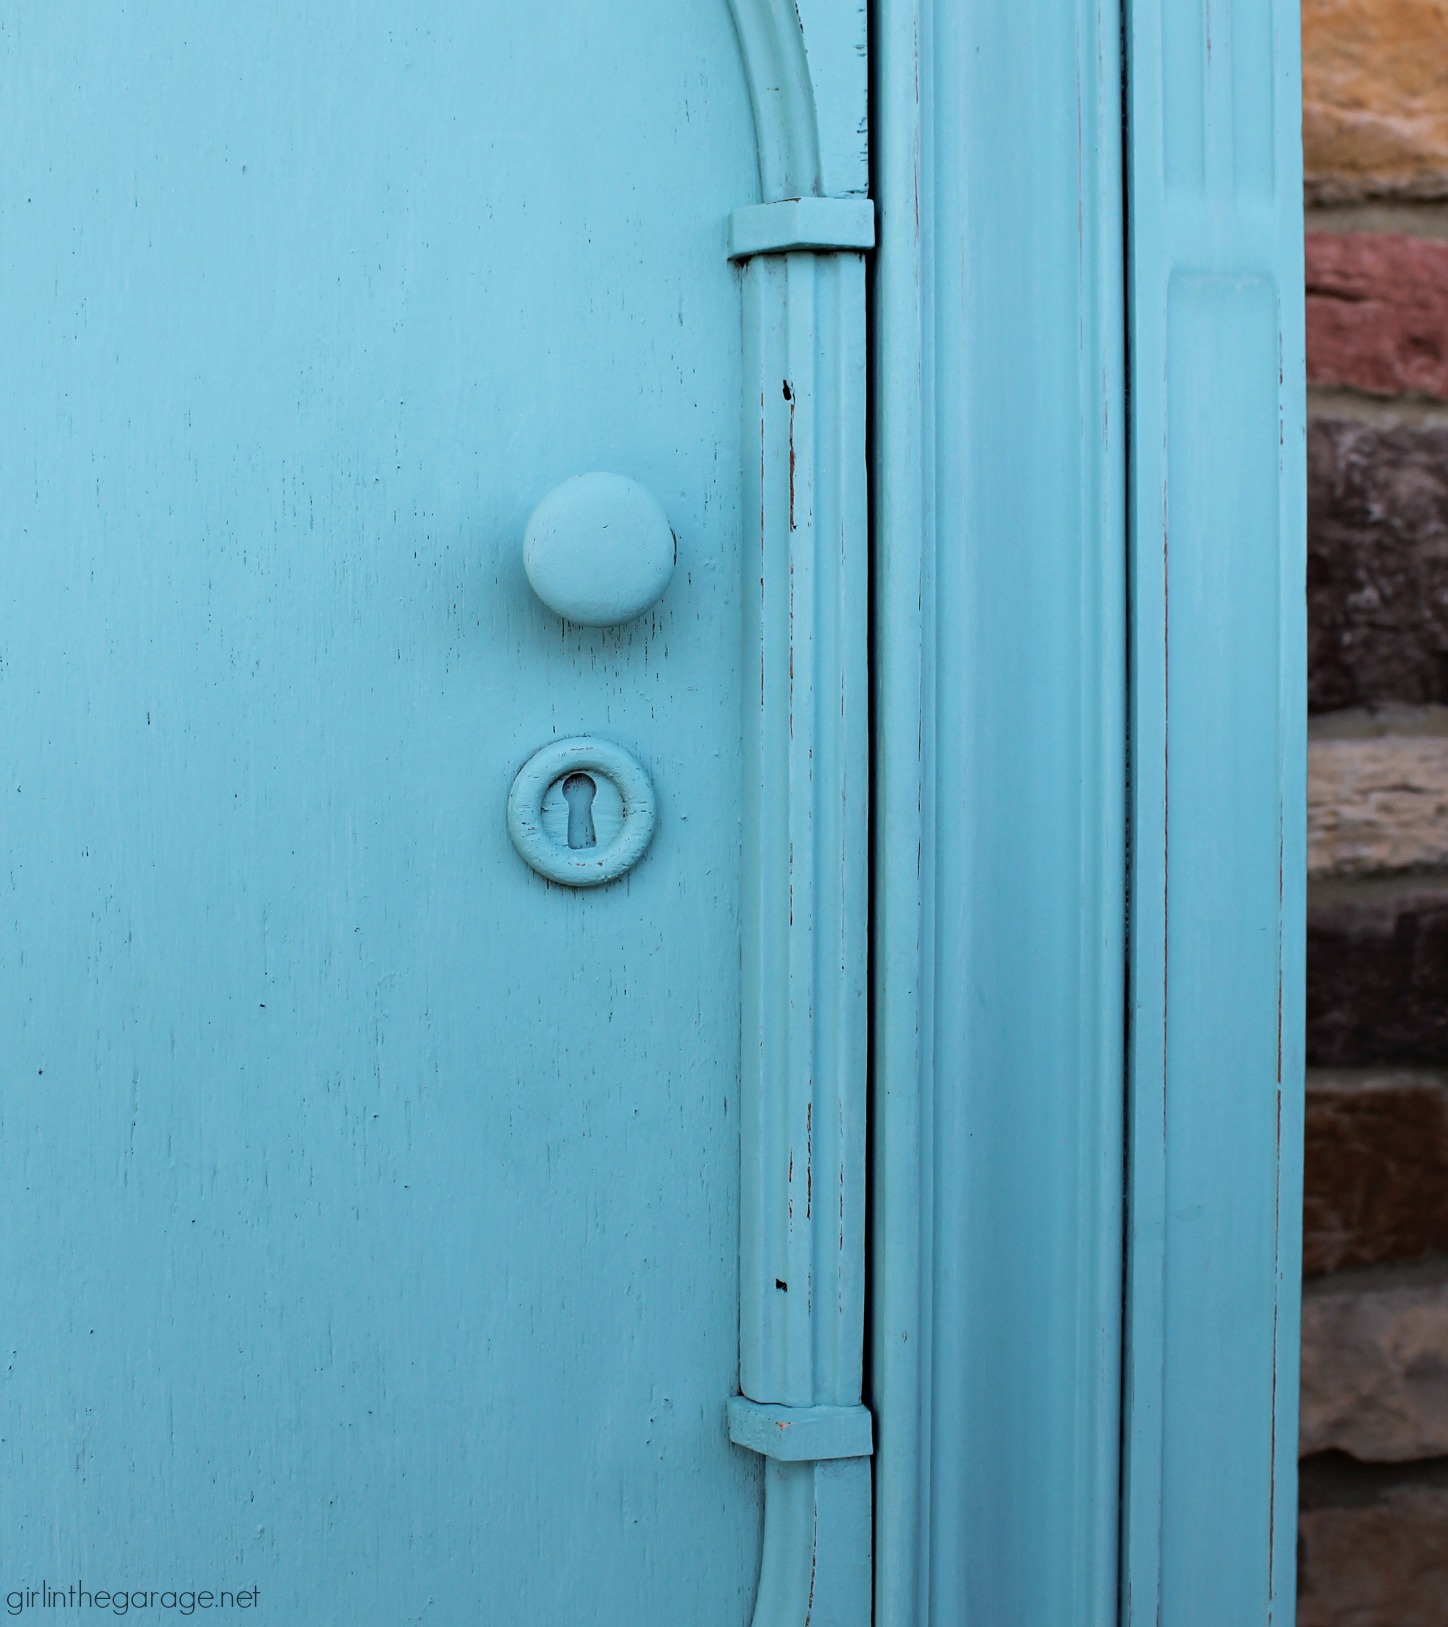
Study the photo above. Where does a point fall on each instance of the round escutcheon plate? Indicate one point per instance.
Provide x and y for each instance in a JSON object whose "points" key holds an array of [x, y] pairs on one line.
{"points": [[582, 812]]}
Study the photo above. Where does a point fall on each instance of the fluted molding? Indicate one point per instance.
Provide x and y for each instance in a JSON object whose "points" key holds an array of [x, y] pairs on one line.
{"points": [[805, 854]]}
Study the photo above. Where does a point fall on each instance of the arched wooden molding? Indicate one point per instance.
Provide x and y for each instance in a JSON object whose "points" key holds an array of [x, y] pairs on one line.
{"points": [[807, 70], [804, 1038]]}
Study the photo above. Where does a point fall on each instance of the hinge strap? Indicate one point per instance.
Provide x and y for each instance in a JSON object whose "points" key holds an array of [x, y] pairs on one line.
{"points": [[817, 225], [801, 1434]]}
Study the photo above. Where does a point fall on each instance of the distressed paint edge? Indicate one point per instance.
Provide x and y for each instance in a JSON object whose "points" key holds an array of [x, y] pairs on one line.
{"points": [[1291, 1087], [901, 630]]}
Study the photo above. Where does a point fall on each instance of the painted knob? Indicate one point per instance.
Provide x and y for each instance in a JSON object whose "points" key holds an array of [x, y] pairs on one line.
{"points": [[599, 550]]}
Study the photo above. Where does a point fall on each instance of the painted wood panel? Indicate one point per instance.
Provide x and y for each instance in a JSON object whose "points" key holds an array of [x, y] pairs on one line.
{"points": [[370, 1208]]}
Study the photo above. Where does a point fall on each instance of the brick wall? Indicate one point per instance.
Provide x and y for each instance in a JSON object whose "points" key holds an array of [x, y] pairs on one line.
{"points": [[1374, 1509]]}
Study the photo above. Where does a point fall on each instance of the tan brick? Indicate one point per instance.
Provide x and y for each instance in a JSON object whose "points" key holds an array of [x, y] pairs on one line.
{"points": [[1375, 1366], [1381, 1563], [1375, 98], [1378, 803]]}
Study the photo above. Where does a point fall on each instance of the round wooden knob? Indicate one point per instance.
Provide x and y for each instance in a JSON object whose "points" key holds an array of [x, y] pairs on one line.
{"points": [[599, 550]]}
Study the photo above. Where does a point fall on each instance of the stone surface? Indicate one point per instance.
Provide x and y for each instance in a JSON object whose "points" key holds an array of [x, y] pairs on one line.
{"points": [[1377, 312], [1376, 1169], [1377, 568], [1377, 977], [1378, 802], [1375, 98], [1381, 1562], [1375, 1366]]}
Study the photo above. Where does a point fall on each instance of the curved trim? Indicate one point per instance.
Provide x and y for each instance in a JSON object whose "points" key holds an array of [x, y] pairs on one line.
{"points": [[815, 1566], [771, 41]]}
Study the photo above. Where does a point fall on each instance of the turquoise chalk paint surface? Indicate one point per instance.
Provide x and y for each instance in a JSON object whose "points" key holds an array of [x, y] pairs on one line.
{"points": [[396, 1235], [368, 1207]]}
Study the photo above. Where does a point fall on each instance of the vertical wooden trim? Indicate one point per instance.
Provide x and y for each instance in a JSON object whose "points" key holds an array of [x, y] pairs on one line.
{"points": [[999, 841], [804, 915], [1218, 725], [806, 801], [901, 867], [803, 1091]]}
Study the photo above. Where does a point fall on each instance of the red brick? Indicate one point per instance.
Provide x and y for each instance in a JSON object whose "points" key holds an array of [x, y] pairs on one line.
{"points": [[1377, 976], [1377, 565], [1376, 1169], [1377, 313], [1378, 1560]]}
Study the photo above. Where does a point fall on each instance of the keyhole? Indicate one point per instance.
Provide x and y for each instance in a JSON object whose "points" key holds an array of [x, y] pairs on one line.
{"points": [[579, 790]]}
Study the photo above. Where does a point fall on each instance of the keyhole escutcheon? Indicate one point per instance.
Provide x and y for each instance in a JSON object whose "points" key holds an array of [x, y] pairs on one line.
{"points": [[579, 790], [601, 811]]}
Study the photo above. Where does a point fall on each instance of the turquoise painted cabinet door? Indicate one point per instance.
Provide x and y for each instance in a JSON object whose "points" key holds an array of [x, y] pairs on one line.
{"points": [[370, 1206]]}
